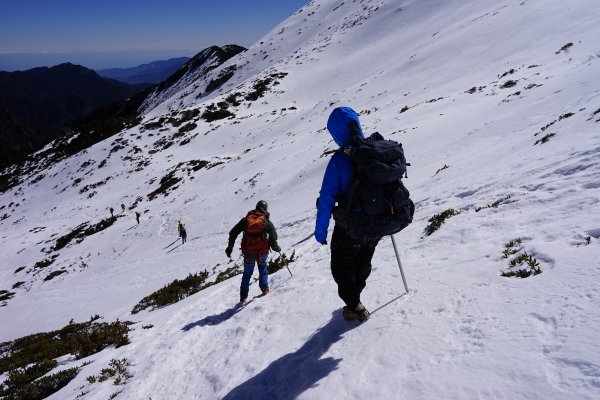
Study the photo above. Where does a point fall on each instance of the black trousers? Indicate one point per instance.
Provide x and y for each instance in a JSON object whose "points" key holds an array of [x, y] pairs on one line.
{"points": [[350, 265]]}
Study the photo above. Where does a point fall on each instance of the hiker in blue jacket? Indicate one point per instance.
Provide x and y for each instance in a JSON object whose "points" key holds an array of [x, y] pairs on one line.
{"points": [[350, 258]]}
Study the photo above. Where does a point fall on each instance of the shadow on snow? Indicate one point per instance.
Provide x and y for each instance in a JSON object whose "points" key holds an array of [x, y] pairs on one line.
{"points": [[173, 248], [292, 374], [212, 320], [171, 244]]}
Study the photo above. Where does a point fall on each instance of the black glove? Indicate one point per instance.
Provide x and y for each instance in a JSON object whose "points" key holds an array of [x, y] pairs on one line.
{"points": [[277, 249], [324, 242], [228, 251]]}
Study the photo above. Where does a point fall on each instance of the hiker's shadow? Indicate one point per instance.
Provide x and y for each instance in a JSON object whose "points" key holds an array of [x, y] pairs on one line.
{"points": [[171, 244], [212, 320], [292, 374], [181, 244]]}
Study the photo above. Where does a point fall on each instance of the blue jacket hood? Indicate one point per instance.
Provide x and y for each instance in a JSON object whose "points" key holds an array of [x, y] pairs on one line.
{"points": [[343, 124]]}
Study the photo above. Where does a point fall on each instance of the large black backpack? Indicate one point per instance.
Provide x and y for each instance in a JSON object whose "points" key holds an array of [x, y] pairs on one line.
{"points": [[378, 204]]}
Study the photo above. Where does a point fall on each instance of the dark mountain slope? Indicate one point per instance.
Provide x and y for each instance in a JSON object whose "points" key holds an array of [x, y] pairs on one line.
{"points": [[39, 103]]}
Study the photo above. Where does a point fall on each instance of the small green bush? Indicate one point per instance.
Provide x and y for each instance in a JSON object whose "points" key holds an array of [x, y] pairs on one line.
{"points": [[167, 183], [437, 220], [114, 395], [5, 295], [280, 262], [186, 128], [154, 125], [259, 90], [545, 139], [80, 232], [18, 284], [45, 262], [136, 202], [117, 369], [511, 248], [210, 116], [565, 48], [531, 264], [173, 292], [19, 378], [54, 274], [441, 169], [565, 116], [233, 99], [509, 72], [508, 84], [194, 283], [43, 387], [189, 115], [494, 204], [228, 273], [223, 77], [79, 339]]}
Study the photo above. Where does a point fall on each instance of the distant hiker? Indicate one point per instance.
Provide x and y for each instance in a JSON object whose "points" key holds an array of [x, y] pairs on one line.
{"points": [[259, 236], [356, 233], [112, 210], [137, 217], [182, 232], [122, 207]]}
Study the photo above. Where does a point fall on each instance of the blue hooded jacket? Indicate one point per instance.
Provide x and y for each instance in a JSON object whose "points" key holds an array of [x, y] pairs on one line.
{"points": [[343, 124]]}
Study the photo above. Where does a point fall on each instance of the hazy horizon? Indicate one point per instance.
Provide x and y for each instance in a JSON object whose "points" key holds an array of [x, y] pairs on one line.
{"points": [[93, 60], [114, 34]]}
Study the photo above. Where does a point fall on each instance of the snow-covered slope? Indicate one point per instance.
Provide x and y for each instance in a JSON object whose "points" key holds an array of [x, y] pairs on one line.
{"points": [[497, 103]]}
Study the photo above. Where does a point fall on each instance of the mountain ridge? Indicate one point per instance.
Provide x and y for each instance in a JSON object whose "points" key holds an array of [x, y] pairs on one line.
{"points": [[153, 72]]}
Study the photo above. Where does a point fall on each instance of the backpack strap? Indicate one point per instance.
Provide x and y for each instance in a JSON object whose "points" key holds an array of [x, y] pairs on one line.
{"points": [[355, 180]]}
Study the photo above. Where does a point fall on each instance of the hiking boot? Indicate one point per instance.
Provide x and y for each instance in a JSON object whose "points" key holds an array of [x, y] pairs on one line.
{"points": [[359, 313], [265, 291], [243, 298]]}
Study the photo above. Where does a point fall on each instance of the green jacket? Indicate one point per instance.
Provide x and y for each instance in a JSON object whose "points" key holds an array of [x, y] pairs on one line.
{"points": [[240, 226]]}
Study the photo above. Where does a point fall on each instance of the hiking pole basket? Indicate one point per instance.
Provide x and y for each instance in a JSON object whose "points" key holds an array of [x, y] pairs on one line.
{"points": [[399, 263]]}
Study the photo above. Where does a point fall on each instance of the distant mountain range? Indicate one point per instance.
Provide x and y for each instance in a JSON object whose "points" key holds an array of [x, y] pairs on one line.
{"points": [[38, 104], [154, 72]]}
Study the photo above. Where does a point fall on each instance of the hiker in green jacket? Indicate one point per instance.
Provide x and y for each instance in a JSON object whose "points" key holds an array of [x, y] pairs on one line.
{"points": [[259, 236]]}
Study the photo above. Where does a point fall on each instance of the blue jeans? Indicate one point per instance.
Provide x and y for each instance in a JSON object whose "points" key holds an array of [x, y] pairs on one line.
{"points": [[263, 275]]}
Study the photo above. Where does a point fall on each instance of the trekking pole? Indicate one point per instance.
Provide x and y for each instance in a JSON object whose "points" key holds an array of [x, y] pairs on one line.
{"points": [[288, 268], [399, 263], [303, 240]]}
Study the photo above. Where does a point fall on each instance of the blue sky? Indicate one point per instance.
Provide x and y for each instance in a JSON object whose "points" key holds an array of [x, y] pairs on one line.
{"points": [[122, 33]]}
